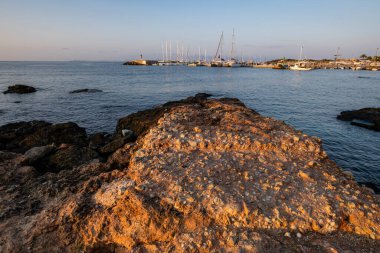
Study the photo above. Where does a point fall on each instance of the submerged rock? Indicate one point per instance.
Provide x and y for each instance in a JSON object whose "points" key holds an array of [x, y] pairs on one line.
{"points": [[20, 89], [85, 91], [367, 117], [203, 176]]}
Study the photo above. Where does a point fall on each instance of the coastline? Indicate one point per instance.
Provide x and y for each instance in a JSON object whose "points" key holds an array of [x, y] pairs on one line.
{"points": [[203, 174]]}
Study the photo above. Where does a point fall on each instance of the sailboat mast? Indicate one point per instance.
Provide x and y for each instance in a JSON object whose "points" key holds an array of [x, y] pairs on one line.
{"points": [[300, 54], [232, 46], [218, 54], [170, 50], [199, 54], [163, 51], [166, 50], [177, 52], [221, 47]]}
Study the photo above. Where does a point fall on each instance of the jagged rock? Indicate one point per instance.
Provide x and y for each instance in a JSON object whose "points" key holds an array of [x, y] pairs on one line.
{"points": [[206, 176], [20, 89], [66, 158], [13, 133], [367, 117], [85, 91], [19, 137], [98, 140], [117, 143]]}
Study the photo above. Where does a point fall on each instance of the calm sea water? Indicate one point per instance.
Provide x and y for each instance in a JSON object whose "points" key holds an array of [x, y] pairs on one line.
{"points": [[309, 101]]}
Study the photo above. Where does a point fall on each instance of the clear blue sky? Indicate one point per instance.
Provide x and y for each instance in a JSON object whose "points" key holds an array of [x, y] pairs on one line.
{"points": [[121, 29]]}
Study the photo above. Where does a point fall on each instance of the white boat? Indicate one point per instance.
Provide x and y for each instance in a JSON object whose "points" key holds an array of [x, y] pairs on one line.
{"points": [[298, 66], [232, 64]]}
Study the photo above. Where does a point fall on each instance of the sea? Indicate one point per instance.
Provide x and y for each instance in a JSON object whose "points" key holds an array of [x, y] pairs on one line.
{"points": [[308, 101]]}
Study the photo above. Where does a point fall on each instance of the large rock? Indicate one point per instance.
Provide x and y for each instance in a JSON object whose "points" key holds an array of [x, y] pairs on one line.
{"points": [[13, 133], [366, 117], [19, 137], [20, 89], [209, 176], [141, 121]]}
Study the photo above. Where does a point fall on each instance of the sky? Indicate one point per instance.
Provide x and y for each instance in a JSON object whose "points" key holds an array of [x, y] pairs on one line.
{"points": [[118, 30]]}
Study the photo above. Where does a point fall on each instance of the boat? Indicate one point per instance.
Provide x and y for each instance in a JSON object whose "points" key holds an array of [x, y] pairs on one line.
{"points": [[298, 66], [192, 64], [218, 61], [232, 62], [280, 66]]}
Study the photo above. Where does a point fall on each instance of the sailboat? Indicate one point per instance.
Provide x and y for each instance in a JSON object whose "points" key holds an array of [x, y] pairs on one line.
{"points": [[232, 62], [218, 61], [298, 66]]}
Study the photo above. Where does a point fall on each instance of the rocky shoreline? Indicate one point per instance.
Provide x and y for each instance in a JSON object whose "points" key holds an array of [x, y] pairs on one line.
{"points": [[195, 175]]}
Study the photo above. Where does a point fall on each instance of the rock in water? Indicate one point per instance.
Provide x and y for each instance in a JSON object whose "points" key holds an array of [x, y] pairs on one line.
{"points": [[203, 176], [20, 89], [366, 117], [85, 91]]}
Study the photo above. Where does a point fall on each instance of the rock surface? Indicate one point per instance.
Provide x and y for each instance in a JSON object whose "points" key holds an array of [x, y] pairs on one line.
{"points": [[203, 176], [366, 117], [20, 89]]}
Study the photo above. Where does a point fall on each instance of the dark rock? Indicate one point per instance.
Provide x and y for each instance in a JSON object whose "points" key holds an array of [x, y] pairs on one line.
{"points": [[117, 143], [20, 89], [19, 137], [37, 153], [85, 91], [98, 140], [12, 134], [203, 95], [371, 186], [7, 156], [69, 133], [66, 158], [367, 117]]}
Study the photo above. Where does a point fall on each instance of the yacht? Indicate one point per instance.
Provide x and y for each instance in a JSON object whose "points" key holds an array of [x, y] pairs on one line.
{"points": [[298, 66]]}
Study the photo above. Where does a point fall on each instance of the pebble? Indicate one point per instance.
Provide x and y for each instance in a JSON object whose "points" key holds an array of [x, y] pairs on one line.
{"points": [[299, 235]]}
